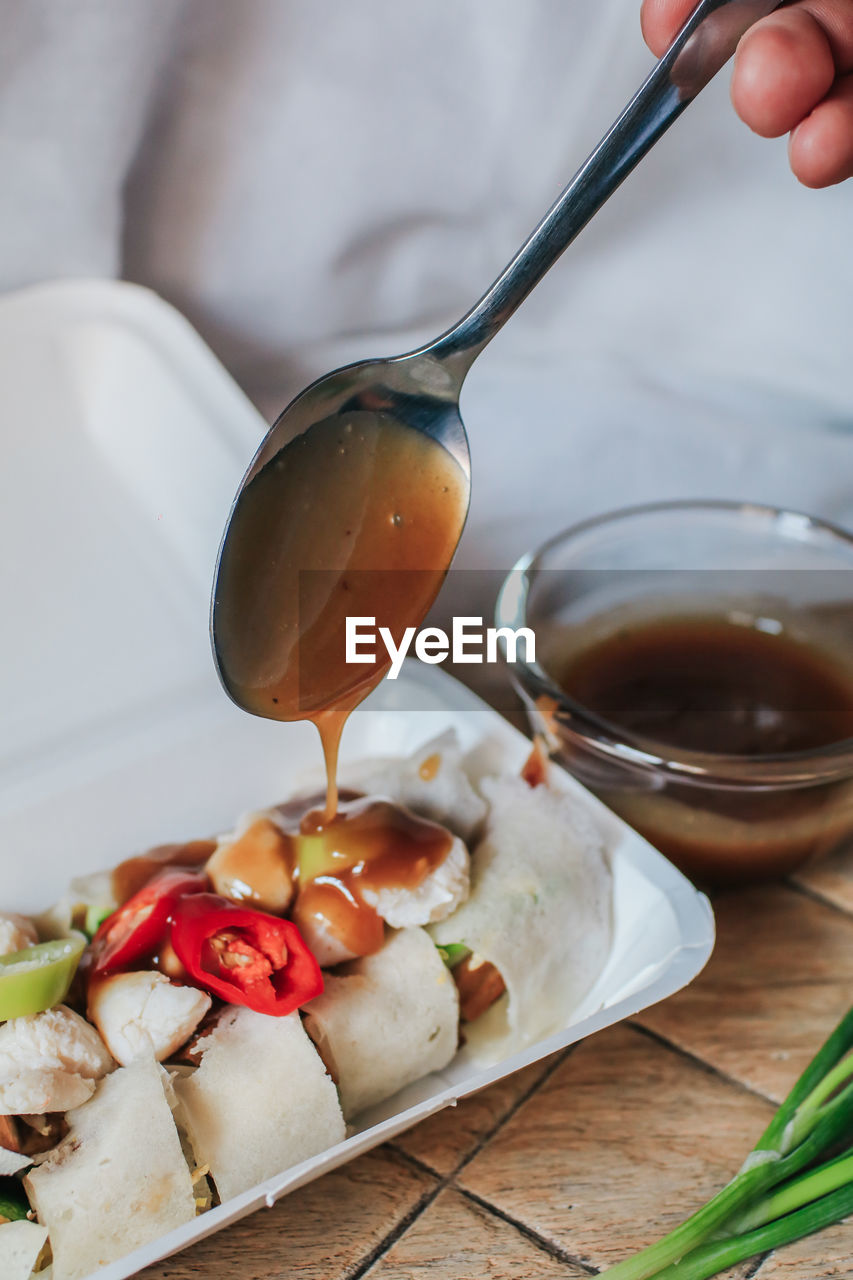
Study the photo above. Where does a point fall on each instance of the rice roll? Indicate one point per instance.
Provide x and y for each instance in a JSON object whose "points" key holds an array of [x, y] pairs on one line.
{"points": [[259, 1102], [119, 1179], [539, 912], [386, 1020]]}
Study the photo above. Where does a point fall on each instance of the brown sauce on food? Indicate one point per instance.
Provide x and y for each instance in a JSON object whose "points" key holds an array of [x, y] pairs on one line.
{"points": [[708, 684], [369, 845], [134, 873], [255, 868], [358, 517], [534, 771], [329, 902], [428, 769]]}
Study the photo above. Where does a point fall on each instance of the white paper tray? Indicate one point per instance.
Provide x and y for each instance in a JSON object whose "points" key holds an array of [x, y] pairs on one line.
{"points": [[122, 443]]}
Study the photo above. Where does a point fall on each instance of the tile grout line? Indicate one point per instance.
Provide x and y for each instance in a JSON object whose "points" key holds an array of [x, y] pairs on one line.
{"points": [[512, 1111], [659, 1038], [542, 1242], [495, 1129], [814, 895], [444, 1181], [396, 1232]]}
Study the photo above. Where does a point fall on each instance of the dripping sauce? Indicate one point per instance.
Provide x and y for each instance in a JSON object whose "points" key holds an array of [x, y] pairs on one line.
{"points": [[358, 517]]}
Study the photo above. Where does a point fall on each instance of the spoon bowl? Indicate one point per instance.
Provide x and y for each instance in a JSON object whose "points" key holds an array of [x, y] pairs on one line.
{"points": [[355, 502]]}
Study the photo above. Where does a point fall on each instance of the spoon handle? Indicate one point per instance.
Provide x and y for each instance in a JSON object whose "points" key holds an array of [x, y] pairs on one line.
{"points": [[702, 47]]}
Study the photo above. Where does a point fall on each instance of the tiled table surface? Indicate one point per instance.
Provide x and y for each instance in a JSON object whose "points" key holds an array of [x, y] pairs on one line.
{"points": [[591, 1154]]}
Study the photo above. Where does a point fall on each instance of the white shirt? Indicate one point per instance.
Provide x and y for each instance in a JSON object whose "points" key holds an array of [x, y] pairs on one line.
{"points": [[313, 182]]}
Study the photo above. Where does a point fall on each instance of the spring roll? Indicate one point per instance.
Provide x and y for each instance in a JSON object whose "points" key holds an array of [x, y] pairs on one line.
{"points": [[539, 912], [119, 1179], [386, 1020], [259, 1102]]}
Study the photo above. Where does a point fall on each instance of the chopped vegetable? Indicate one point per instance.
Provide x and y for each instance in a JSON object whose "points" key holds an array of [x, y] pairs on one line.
{"points": [[135, 931], [38, 977], [453, 952], [479, 985], [771, 1202], [14, 1206], [244, 956], [93, 918]]}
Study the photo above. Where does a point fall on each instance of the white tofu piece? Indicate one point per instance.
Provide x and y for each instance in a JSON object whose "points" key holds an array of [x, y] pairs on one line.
{"points": [[49, 1062], [144, 1015], [16, 933], [20, 1245], [260, 1102], [12, 1163], [118, 1180], [434, 898]]}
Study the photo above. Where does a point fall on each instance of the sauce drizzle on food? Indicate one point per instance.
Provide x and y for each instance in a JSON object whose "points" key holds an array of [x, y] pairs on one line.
{"points": [[428, 769], [369, 846], [134, 873]]}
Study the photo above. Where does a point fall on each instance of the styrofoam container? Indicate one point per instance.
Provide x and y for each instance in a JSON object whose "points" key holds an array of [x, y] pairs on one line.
{"points": [[123, 441]]}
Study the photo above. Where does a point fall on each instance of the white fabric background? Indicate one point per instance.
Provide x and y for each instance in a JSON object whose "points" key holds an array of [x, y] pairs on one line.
{"points": [[316, 180]]}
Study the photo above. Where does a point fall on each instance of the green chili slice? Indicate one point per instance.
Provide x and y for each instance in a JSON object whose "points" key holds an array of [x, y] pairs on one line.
{"points": [[38, 977]]}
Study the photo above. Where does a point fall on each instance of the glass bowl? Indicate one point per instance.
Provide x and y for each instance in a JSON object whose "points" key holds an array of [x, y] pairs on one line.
{"points": [[731, 787]]}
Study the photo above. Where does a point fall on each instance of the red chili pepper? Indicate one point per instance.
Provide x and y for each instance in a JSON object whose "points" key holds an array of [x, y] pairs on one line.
{"points": [[246, 957], [137, 928]]}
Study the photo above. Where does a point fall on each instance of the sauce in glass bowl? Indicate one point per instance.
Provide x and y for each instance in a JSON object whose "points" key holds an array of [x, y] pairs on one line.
{"points": [[695, 671]]}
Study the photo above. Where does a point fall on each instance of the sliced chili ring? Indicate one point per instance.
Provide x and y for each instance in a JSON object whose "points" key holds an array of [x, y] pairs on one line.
{"points": [[136, 929], [244, 956]]}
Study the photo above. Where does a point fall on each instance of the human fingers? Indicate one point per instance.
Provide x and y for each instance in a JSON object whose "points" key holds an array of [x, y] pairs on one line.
{"points": [[662, 20], [784, 67], [821, 147]]}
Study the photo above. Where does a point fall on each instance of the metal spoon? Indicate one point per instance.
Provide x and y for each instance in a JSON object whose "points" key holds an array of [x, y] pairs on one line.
{"points": [[417, 392]]}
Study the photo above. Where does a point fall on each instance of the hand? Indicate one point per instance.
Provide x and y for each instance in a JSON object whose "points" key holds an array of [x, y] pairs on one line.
{"points": [[793, 73]]}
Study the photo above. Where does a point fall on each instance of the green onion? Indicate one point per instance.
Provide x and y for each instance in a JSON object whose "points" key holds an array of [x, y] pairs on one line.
{"points": [[453, 953], [744, 1219], [812, 1186], [712, 1258]]}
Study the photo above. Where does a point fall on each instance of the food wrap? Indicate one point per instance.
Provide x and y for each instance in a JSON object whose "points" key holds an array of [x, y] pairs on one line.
{"points": [[386, 1019], [540, 910], [119, 1179], [432, 782], [260, 1101]]}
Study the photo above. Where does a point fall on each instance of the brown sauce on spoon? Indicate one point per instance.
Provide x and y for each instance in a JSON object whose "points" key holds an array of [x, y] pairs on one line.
{"points": [[358, 517]]}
